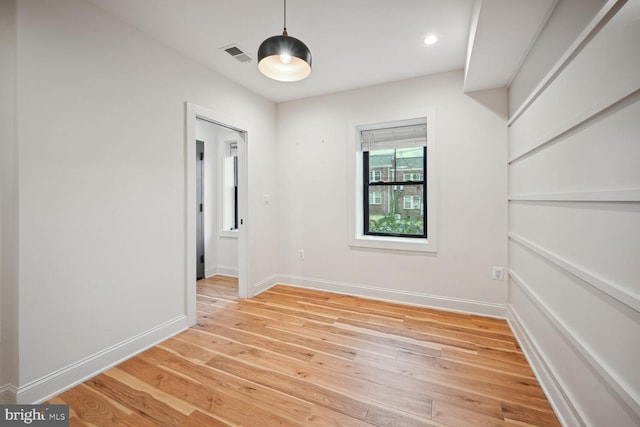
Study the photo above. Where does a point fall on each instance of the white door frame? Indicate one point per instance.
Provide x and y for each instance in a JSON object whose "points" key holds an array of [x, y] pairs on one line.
{"points": [[192, 113]]}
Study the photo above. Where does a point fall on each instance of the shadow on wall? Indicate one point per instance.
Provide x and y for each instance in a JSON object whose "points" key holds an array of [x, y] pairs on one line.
{"points": [[494, 99]]}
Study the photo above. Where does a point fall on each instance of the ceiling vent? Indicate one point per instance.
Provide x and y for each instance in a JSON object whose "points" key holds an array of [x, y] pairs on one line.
{"points": [[237, 53]]}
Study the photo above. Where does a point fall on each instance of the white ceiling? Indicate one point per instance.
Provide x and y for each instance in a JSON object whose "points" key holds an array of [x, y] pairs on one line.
{"points": [[354, 43]]}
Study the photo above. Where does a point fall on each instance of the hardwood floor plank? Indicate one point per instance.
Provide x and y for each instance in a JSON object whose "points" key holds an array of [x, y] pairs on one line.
{"points": [[482, 337], [268, 359], [337, 339], [323, 417], [527, 416], [143, 403], [159, 395], [233, 411], [93, 408], [401, 377], [136, 420], [229, 295], [244, 337], [295, 387], [402, 398], [309, 301], [407, 335], [515, 393], [488, 363], [233, 387], [380, 416], [200, 419], [453, 415], [397, 344], [257, 326], [300, 357], [335, 311], [526, 385]]}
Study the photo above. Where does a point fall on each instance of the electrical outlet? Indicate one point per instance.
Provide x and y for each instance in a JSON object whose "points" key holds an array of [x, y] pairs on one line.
{"points": [[300, 253], [497, 273]]}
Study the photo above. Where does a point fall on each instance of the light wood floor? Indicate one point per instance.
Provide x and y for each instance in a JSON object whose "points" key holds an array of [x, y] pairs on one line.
{"points": [[293, 357]]}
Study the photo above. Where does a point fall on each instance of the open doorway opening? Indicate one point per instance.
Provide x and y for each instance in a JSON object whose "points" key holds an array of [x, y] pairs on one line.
{"points": [[221, 170], [217, 214]]}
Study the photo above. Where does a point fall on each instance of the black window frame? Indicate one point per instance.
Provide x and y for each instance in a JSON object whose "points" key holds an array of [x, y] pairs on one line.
{"points": [[365, 202]]}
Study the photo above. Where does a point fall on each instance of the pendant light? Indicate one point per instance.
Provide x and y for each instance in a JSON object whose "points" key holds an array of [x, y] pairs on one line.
{"points": [[284, 58]]}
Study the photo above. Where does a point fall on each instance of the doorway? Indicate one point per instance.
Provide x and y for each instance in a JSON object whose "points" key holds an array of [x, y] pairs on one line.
{"points": [[217, 215], [200, 230], [224, 177]]}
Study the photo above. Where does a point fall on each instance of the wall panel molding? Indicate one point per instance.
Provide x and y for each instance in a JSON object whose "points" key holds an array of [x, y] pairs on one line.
{"points": [[605, 288], [624, 395], [606, 196], [600, 21], [570, 130]]}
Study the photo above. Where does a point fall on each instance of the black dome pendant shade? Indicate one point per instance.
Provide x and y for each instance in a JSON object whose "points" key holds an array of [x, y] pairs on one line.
{"points": [[284, 58]]}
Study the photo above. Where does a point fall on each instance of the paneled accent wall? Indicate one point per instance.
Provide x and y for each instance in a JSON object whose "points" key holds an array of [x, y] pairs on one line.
{"points": [[574, 224]]}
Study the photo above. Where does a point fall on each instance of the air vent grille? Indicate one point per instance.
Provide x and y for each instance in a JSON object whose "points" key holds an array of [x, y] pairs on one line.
{"points": [[237, 53]]}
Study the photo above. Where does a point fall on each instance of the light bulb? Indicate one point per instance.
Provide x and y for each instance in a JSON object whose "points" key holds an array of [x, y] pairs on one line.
{"points": [[285, 58]]}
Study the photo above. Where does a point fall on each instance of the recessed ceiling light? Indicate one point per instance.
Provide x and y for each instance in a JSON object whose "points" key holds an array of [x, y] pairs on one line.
{"points": [[430, 39]]}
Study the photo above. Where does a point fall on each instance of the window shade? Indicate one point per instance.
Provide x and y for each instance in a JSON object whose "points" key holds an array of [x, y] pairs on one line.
{"points": [[394, 137], [233, 149]]}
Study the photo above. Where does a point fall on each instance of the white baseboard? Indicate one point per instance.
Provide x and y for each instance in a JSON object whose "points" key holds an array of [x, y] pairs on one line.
{"points": [[561, 403], [52, 384], [221, 270], [264, 284], [393, 295], [8, 393]]}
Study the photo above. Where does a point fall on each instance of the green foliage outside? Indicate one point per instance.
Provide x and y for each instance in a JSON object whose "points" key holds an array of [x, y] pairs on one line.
{"points": [[390, 224]]}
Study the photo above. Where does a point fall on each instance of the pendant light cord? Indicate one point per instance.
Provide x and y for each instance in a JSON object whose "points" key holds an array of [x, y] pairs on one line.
{"points": [[284, 32]]}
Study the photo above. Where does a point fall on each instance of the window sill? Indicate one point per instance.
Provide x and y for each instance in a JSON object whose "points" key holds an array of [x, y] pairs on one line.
{"points": [[393, 243], [229, 234]]}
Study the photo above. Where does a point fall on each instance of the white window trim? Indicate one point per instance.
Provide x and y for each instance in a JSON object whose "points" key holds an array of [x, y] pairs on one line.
{"points": [[356, 236]]}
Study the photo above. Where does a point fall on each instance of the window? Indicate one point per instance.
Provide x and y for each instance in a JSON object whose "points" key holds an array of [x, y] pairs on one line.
{"points": [[396, 149], [392, 189], [230, 186], [412, 202], [375, 197], [234, 154]]}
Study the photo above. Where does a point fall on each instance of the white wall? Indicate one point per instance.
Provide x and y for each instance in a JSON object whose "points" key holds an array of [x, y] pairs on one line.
{"points": [[574, 228], [8, 205], [312, 173], [102, 188]]}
